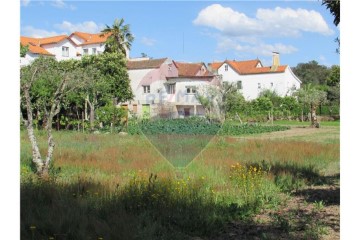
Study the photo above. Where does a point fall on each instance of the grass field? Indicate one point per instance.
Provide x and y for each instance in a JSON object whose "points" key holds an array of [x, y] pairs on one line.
{"points": [[122, 187]]}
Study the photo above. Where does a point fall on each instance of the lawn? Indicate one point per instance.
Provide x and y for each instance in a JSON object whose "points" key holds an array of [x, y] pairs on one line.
{"points": [[125, 187]]}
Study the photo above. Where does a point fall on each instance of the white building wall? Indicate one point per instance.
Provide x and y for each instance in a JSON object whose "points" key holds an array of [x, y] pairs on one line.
{"points": [[100, 47], [181, 97], [29, 57], [77, 40], [57, 50], [282, 82], [136, 77]]}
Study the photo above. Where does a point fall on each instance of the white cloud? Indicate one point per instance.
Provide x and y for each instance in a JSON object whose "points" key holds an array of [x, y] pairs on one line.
{"points": [[267, 23], [148, 41], [24, 2], [30, 31], [63, 28], [254, 48], [290, 21], [62, 4], [87, 26], [58, 4]]}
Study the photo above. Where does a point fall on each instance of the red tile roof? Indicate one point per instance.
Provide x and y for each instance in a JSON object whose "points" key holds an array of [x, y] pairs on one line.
{"points": [[215, 65], [145, 64], [260, 70], [191, 69], [248, 67], [90, 38], [242, 67], [50, 40], [34, 45]]}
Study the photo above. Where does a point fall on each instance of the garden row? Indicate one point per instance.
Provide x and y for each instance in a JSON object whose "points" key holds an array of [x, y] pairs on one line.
{"points": [[196, 126]]}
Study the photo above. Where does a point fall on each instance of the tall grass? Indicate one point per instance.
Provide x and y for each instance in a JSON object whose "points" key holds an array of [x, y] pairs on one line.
{"points": [[101, 185], [142, 209]]}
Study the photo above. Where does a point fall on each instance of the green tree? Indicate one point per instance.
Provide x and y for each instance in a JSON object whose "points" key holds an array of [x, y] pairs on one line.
{"points": [[111, 115], [273, 96], [334, 7], [312, 72], [23, 50], [235, 104], [262, 104], [333, 82], [311, 97], [334, 76], [120, 38], [61, 78], [289, 106], [111, 84], [215, 100]]}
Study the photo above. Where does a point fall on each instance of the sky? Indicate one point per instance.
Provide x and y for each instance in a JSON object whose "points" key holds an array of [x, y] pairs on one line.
{"points": [[198, 31]]}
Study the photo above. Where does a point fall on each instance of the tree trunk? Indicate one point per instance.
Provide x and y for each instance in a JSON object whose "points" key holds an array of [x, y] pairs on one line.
{"points": [[42, 167], [92, 113], [55, 109], [86, 103], [92, 117], [83, 122], [36, 156], [314, 122]]}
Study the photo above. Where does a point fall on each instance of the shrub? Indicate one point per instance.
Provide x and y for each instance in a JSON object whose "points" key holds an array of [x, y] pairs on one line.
{"points": [[197, 126], [252, 184]]}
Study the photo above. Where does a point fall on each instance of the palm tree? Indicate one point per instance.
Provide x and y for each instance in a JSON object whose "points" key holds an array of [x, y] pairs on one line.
{"points": [[119, 37]]}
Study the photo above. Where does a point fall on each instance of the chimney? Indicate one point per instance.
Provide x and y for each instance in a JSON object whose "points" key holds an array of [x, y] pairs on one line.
{"points": [[275, 61]]}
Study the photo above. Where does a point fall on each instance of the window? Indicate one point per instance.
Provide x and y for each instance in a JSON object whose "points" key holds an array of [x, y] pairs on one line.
{"points": [[65, 51], [272, 84], [226, 67], [86, 51], [94, 51], [169, 67], [171, 88], [259, 85], [191, 90], [146, 88], [239, 85]]}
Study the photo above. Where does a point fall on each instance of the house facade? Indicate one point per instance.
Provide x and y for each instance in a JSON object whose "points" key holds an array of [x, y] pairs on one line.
{"points": [[183, 88], [148, 79], [251, 77], [63, 47], [166, 88]]}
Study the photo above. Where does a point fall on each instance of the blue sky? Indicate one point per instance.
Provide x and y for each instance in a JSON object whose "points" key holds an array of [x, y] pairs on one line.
{"points": [[199, 31]]}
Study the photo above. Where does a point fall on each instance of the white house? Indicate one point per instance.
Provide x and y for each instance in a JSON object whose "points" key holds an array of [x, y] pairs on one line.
{"points": [[148, 78], [165, 88], [251, 77], [182, 88], [88, 43], [63, 47]]}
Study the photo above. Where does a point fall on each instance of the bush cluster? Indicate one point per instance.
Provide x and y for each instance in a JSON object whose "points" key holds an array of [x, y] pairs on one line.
{"points": [[196, 126]]}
